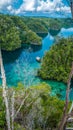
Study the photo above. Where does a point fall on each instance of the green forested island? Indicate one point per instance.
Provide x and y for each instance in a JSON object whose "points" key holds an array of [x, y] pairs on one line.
{"points": [[58, 60], [15, 30]]}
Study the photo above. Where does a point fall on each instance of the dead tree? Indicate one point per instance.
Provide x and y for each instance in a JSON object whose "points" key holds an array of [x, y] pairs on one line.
{"points": [[5, 92], [70, 3], [9, 106], [66, 115]]}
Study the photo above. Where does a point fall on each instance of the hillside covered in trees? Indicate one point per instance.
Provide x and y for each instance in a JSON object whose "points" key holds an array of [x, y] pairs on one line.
{"points": [[15, 30], [57, 61]]}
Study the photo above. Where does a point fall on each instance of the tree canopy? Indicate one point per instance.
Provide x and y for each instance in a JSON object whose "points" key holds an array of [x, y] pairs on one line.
{"points": [[9, 35], [39, 111], [57, 62], [15, 30]]}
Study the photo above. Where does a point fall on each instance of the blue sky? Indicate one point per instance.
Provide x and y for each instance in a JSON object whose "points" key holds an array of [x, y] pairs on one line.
{"points": [[35, 7]]}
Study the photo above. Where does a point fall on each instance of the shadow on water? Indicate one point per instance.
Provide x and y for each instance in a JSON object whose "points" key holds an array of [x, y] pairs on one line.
{"points": [[10, 57], [54, 32], [43, 35], [32, 48]]}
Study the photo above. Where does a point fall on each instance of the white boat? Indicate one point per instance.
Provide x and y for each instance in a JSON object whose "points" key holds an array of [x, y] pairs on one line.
{"points": [[38, 59]]}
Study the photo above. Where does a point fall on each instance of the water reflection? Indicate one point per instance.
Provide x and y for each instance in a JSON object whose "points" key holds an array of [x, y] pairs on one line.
{"points": [[32, 48], [10, 57], [43, 35], [54, 32]]}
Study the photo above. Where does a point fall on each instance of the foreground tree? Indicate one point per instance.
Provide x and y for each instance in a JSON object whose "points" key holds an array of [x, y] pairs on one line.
{"points": [[70, 3], [9, 98], [67, 115], [5, 95]]}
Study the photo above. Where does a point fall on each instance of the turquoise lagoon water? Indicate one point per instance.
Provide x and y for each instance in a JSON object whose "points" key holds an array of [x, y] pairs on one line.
{"points": [[21, 65]]}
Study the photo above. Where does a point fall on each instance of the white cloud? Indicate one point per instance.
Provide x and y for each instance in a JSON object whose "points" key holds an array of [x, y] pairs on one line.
{"points": [[43, 6], [35, 5], [27, 5], [51, 6], [4, 3], [9, 7]]}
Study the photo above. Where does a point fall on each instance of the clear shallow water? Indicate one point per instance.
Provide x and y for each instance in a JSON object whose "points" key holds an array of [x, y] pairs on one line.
{"points": [[21, 65], [66, 32]]}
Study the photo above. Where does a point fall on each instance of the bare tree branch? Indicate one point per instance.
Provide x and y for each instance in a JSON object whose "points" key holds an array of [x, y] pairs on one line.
{"points": [[5, 92], [22, 103], [65, 113], [12, 106], [70, 3]]}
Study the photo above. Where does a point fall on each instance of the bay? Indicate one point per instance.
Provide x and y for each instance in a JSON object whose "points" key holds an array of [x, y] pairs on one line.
{"points": [[21, 65]]}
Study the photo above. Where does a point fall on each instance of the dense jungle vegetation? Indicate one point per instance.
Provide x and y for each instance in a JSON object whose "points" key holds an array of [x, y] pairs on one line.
{"points": [[14, 30], [40, 109], [57, 62]]}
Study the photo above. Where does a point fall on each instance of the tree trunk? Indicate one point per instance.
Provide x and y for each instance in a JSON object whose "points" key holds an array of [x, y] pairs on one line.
{"points": [[72, 9], [65, 113], [5, 91], [12, 106]]}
